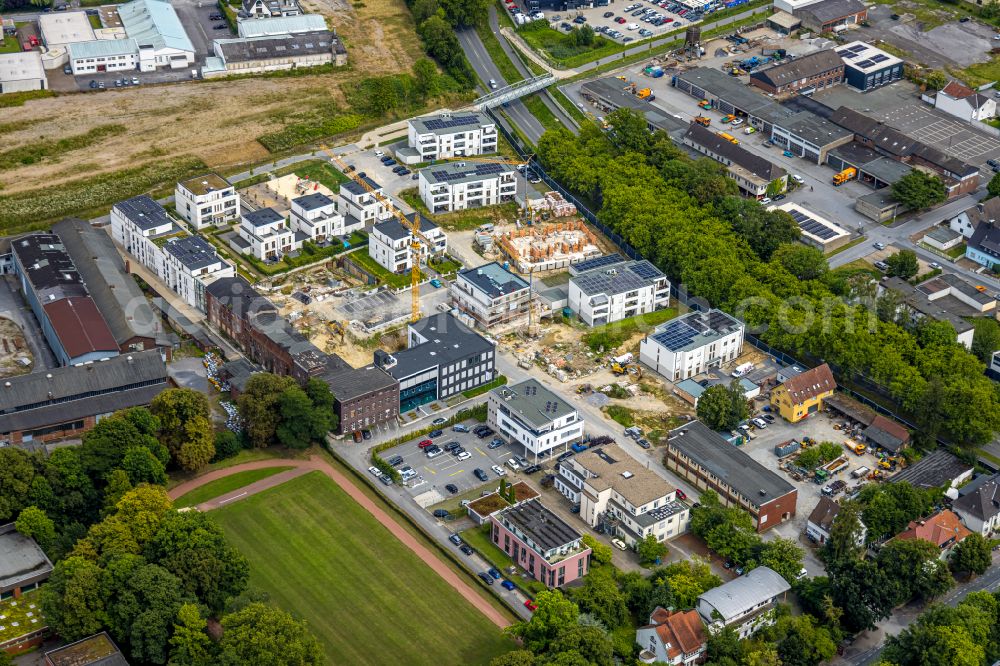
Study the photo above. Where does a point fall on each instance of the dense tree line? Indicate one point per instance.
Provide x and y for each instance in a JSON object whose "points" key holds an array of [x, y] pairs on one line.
{"points": [[966, 635], [723, 407], [436, 23], [276, 410], [682, 215]]}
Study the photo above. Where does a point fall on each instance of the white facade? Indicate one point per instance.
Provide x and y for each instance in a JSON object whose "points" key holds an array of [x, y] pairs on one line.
{"points": [[103, 55], [390, 243], [262, 9], [268, 234], [965, 103], [458, 186], [518, 413], [743, 603], [613, 293], [491, 295], [136, 223], [207, 201], [189, 265], [158, 33], [452, 135], [689, 345], [316, 216], [20, 72], [979, 509], [361, 204], [639, 500]]}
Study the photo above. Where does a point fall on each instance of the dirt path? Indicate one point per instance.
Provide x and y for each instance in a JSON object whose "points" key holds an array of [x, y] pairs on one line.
{"points": [[315, 463]]}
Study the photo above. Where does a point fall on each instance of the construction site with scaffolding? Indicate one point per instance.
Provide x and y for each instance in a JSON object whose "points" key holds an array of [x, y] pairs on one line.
{"points": [[546, 247]]}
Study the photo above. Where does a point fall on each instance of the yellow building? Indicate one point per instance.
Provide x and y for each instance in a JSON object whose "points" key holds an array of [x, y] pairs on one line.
{"points": [[803, 394]]}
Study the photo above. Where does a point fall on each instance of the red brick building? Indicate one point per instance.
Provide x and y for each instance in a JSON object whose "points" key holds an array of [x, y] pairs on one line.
{"points": [[701, 456], [815, 71]]}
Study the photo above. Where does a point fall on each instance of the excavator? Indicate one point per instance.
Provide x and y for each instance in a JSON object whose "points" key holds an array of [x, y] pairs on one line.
{"points": [[627, 369]]}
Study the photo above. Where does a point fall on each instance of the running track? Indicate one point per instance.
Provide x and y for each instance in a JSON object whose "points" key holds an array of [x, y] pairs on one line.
{"points": [[315, 463]]}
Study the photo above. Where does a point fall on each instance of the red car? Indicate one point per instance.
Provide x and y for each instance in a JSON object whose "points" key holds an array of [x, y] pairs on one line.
{"points": [[424, 444], [530, 605], [680, 494], [620, 19], [669, 20]]}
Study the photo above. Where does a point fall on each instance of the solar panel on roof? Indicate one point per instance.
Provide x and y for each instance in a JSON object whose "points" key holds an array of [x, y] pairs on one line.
{"points": [[675, 335], [858, 48], [878, 57], [864, 63], [849, 55], [445, 123], [645, 270]]}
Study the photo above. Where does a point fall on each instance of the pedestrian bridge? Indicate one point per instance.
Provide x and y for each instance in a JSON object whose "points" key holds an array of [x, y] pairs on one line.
{"points": [[516, 91]]}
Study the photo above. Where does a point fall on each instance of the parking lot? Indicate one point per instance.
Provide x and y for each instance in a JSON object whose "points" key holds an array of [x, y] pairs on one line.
{"points": [[369, 163], [433, 474], [633, 22]]}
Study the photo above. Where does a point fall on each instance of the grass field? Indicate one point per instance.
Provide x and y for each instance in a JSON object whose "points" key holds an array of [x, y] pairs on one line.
{"points": [[366, 596], [225, 485], [611, 335]]}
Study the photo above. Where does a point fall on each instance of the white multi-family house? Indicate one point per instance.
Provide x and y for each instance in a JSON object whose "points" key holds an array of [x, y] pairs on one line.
{"points": [[532, 416], [358, 204], [315, 215], [139, 224], [618, 291], [461, 185], [978, 505], [207, 201], [187, 264], [616, 491], [263, 9], [492, 296], [689, 345], [266, 234], [390, 243], [190, 264], [743, 603], [450, 135]]}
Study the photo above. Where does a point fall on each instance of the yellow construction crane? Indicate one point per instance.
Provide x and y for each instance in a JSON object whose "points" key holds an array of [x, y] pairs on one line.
{"points": [[414, 227]]}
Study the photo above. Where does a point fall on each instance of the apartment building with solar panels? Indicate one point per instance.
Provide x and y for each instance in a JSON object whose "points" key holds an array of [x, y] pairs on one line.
{"points": [[530, 415], [687, 346], [867, 67], [611, 292], [449, 135], [461, 185], [816, 231]]}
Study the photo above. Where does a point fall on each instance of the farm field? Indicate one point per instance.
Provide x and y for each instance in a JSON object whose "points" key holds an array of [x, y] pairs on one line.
{"points": [[365, 595]]}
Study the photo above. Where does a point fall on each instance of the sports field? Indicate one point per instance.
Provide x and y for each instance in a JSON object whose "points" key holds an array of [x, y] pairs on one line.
{"points": [[367, 597]]}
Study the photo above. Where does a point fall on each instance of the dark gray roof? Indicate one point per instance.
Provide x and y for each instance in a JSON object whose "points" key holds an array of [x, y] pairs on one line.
{"points": [[986, 238], [825, 513], [541, 527], [115, 293], [48, 267], [726, 87], [239, 372], [448, 340], [143, 212], [831, 10], [193, 251], [533, 403], [395, 230], [262, 217], [352, 383], [982, 503], [759, 166], [803, 67], [73, 392], [465, 172], [291, 46], [814, 128], [355, 188], [730, 464], [21, 560], [239, 296], [938, 468], [493, 280], [887, 169], [597, 262], [313, 201], [947, 308], [617, 279]]}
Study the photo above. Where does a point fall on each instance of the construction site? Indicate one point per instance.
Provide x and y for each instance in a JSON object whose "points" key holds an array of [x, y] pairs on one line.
{"points": [[277, 193], [15, 357], [546, 247]]}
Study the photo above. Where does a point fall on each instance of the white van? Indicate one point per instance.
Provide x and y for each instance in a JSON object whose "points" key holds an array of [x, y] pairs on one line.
{"points": [[632, 26]]}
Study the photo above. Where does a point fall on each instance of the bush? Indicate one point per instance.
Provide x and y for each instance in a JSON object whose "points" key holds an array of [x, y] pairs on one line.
{"points": [[227, 445]]}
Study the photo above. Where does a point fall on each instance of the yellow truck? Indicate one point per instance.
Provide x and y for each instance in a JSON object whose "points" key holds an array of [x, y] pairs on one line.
{"points": [[703, 121], [847, 174], [857, 447], [729, 137], [644, 93]]}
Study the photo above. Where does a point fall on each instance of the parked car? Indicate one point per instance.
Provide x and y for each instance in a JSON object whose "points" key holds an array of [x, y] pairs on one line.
{"points": [[531, 469], [425, 443], [759, 422], [396, 461], [375, 470], [608, 14], [878, 246], [882, 266], [451, 488], [681, 494], [483, 434], [644, 443], [935, 265], [433, 452], [458, 427], [366, 434], [451, 446], [441, 513], [619, 544], [496, 443], [385, 479], [765, 201], [435, 433], [455, 539], [767, 417], [480, 474], [466, 549], [485, 577], [436, 283], [93, 84], [530, 605], [779, 197], [464, 455], [798, 179], [498, 470], [507, 585], [513, 464]]}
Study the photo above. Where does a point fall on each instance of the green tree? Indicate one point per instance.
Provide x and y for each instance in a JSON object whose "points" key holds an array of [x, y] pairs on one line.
{"points": [[994, 186], [650, 550], [919, 190], [864, 591], [590, 643], [72, 599], [16, 474], [442, 44], [190, 644], [802, 261], [554, 615], [105, 445], [913, 567], [763, 230], [903, 264], [35, 524], [466, 12], [985, 337], [198, 447], [600, 553], [630, 130], [972, 555], [515, 658], [175, 409], [262, 634], [142, 466], [259, 406], [301, 421], [601, 597], [844, 542], [782, 555], [227, 445], [425, 75], [144, 600], [723, 408]]}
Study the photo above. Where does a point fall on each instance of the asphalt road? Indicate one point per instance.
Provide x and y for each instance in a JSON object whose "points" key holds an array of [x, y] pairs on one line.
{"points": [[480, 60]]}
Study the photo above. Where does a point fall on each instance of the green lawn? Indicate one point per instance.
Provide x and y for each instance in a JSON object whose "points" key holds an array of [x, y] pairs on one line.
{"points": [[538, 109], [366, 596], [9, 45], [394, 280], [498, 55], [611, 335], [322, 173], [463, 220], [225, 485]]}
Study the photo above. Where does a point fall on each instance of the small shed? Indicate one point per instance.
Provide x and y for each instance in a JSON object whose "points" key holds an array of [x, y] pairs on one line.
{"points": [[888, 434]]}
